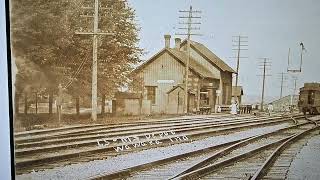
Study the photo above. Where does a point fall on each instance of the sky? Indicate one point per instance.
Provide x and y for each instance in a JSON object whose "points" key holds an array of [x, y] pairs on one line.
{"points": [[272, 27]]}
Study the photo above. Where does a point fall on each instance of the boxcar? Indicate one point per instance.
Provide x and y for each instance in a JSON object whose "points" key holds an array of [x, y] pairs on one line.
{"points": [[309, 98]]}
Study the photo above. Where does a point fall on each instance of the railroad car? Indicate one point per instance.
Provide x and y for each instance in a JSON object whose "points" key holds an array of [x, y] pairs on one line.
{"points": [[309, 98]]}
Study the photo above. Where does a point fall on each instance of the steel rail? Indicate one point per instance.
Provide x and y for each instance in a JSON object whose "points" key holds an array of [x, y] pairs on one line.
{"points": [[232, 126], [214, 167], [45, 132], [114, 125], [125, 172], [272, 158], [233, 147], [202, 171], [55, 158], [45, 160], [51, 130], [110, 129], [308, 119], [114, 133], [104, 135], [105, 127]]}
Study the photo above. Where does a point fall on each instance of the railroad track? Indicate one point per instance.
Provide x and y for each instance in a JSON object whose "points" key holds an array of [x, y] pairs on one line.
{"points": [[31, 159], [96, 129], [264, 156], [181, 126], [57, 150], [78, 129]]}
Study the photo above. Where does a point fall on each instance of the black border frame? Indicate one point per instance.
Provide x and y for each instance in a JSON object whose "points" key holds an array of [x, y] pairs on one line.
{"points": [[9, 69]]}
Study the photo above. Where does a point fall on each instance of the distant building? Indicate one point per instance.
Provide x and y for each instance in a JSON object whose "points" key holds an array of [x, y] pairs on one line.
{"points": [[163, 75], [284, 103]]}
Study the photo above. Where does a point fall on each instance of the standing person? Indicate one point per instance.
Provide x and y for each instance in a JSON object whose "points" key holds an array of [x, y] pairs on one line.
{"points": [[233, 107], [219, 109], [270, 109], [238, 107]]}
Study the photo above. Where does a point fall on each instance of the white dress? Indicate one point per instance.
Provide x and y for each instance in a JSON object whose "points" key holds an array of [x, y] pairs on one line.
{"points": [[233, 109]]}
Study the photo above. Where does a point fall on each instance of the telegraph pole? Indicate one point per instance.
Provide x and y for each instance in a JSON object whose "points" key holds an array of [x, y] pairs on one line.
{"points": [[94, 102], [264, 65], [281, 86], [189, 28], [240, 45], [283, 78], [95, 34]]}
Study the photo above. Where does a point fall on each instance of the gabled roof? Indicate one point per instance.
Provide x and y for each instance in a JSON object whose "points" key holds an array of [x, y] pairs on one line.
{"points": [[181, 87], [144, 64], [202, 49], [181, 57], [175, 87], [194, 65]]}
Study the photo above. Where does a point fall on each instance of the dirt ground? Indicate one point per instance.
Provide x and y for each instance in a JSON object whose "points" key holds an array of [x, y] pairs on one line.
{"points": [[27, 122]]}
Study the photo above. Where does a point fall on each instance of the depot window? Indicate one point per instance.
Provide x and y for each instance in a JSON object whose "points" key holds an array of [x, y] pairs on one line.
{"points": [[151, 94]]}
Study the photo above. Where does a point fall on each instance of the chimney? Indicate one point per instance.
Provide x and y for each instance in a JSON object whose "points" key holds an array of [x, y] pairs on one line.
{"points": [[167, 41], [177, 43]]}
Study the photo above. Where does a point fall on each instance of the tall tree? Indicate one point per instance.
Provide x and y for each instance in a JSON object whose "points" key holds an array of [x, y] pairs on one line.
{"points": [[117, 54], [41, 36], [43, 32]]}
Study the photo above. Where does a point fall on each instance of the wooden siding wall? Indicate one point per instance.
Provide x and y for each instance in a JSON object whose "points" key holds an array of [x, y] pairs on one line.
{"points": [[165, 67], [175, 102], [226, 87], [226, 77]]}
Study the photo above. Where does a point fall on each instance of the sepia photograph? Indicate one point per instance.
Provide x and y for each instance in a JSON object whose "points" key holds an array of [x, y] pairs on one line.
{"points": [[165, 89]]}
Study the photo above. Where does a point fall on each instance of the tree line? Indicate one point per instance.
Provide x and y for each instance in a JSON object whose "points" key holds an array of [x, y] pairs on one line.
{"points": [[48, 52]]}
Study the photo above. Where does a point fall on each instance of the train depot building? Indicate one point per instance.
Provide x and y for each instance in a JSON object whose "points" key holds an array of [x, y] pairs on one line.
{"points": [[163, 79]]}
